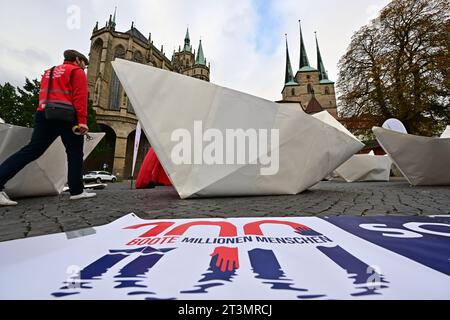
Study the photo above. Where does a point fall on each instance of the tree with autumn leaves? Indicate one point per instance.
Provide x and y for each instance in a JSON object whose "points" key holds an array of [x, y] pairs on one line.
{"points": [[398, 65]]}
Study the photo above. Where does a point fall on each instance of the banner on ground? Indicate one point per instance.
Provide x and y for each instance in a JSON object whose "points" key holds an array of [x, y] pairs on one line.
{"points": [[242, 258]]}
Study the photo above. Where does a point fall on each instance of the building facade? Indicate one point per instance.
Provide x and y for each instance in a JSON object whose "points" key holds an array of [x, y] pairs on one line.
{"points": [[114, 112], [310, 87]]}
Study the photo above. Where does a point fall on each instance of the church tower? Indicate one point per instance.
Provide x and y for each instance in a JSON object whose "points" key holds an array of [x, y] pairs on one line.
{"points": [[114, 112], [183, 59], [310, 87], [201, 70], [186, 62]]}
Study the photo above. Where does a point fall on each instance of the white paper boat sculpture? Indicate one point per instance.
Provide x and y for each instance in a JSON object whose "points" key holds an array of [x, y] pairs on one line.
{"points": [[360, 167], [366, 167], [44, 176], [218, 165], [422, 160]]}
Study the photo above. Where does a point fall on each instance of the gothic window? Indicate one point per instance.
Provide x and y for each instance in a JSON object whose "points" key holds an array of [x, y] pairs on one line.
{"points": [[137, 57], [119, 52], [308, 77], [97, 92], [114, 92], [292, 92], [96, 57], [115, 88], [327, 90], [310, 88], [129, 106]]}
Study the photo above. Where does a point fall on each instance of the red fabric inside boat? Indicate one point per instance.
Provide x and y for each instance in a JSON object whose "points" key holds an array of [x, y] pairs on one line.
{"points": [[151, 172]]}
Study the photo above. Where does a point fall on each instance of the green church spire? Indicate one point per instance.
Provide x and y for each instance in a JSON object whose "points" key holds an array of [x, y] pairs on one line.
{"points": [[323, 76], [113, 22], [304, 62], [289, 76], [187, 42], [200, 56]]}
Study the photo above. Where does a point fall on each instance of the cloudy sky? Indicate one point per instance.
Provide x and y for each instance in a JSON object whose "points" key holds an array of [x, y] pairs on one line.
{"points": [[243, 39]]}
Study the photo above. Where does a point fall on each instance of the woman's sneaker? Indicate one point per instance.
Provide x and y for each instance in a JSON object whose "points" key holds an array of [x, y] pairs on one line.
{"points": [[83, 195], [5, 200]]}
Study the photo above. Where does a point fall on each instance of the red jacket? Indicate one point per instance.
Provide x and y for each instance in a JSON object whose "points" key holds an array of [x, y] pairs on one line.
{"points": [[69, 86]]}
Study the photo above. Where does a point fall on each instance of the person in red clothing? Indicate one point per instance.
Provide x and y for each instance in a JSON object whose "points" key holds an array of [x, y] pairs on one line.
{"points": [[68, 86]]}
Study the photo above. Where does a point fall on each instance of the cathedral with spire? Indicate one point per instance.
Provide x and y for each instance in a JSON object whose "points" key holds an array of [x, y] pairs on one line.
{"points": [[114, 112], [310, 87]]}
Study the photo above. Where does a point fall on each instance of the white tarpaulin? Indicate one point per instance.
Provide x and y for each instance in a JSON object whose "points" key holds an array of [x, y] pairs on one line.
{"points": [[165, 102], [422, 160], [236, 259], [1, 120], [45, 176]]}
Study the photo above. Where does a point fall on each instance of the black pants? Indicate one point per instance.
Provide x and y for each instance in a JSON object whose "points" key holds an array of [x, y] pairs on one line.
{"points": [[44, 133]]}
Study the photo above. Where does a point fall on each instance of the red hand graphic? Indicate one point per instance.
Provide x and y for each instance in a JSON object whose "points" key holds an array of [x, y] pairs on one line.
{"points": [[226, 256]]}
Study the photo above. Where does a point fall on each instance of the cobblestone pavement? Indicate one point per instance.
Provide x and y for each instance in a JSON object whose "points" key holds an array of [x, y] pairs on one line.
{"points": [[39, 216]]}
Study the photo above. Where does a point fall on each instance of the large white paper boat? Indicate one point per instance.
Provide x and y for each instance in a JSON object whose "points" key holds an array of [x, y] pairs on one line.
{"points": [[422, 160], [164, 101], [44, 176], [366, 167]]}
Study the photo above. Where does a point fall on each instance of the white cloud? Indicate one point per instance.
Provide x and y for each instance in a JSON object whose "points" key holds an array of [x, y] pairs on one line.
{"points": [[20, 62]]}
